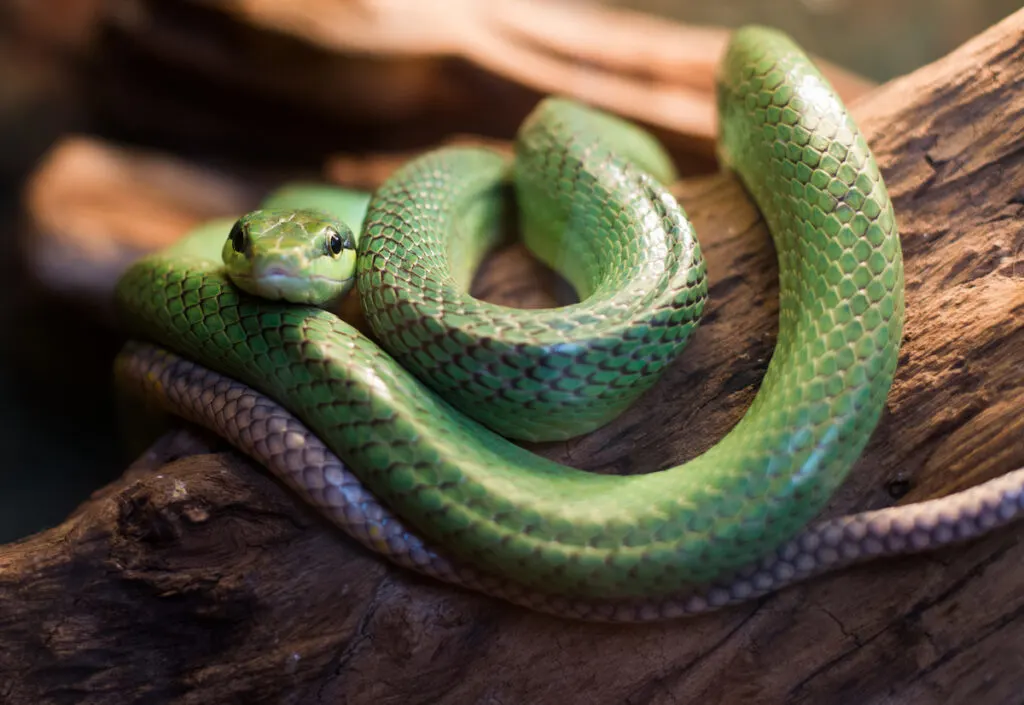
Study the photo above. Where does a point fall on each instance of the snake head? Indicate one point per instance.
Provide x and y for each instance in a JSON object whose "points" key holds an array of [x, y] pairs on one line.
{"points": [[299, 256]]}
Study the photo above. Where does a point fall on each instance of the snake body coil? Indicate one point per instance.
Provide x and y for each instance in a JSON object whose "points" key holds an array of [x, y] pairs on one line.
{"points": [[593, 207]]}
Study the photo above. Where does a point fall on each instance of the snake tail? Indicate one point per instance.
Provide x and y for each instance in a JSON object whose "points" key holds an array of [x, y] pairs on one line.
{"points": [[268, 433]]}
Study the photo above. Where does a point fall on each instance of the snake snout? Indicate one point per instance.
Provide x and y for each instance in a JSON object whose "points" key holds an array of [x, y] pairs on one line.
{"points": [[272, 272], [276, 267]]}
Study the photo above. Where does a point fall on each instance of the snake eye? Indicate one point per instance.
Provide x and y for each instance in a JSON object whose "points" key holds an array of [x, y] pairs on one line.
{"points": [[335, 243], [237, 237]]}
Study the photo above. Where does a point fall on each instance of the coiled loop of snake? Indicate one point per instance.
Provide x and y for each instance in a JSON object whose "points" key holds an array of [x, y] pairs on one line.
{"points": [[615, 233]]}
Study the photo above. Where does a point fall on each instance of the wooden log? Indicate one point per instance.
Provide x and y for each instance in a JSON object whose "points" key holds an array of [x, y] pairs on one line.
{"points": [[197, 578], [315, 75]]}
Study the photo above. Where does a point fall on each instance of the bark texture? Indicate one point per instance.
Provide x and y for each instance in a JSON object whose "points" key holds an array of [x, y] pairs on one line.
{"points": [[198, 578]]}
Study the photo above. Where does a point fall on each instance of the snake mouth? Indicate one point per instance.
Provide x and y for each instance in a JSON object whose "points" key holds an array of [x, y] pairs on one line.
{"points": [[274, 273], [277, 284]]}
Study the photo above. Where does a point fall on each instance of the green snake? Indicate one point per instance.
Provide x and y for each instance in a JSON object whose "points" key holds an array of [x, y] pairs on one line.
{"points": [[408, 442]]}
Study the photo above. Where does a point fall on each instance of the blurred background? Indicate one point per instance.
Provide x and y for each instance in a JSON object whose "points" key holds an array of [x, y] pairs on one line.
{"points": [[875, 38], [245, 94]]}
